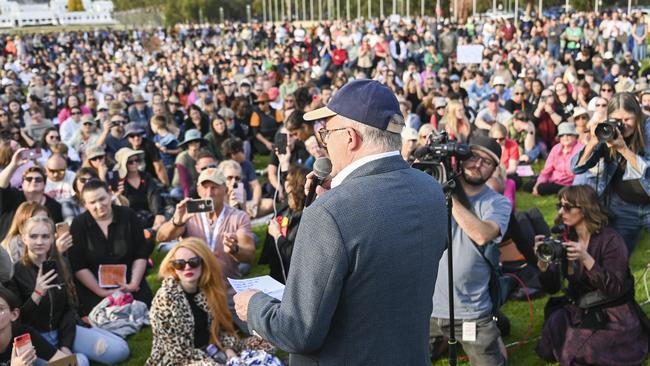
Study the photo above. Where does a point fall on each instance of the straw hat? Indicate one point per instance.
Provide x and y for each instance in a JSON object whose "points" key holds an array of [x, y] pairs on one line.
{"points": [[121, 158]]}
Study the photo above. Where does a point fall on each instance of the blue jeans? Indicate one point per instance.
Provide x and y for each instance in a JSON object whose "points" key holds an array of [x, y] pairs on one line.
{"points": [[629, 219], [640, 51], [94, 344]]}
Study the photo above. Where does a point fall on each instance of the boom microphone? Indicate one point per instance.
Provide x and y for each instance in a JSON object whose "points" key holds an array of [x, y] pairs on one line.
{"points": [[322, 168]]}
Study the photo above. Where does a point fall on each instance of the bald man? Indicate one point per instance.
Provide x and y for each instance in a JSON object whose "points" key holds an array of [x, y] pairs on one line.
{"points": [[59, 179]]}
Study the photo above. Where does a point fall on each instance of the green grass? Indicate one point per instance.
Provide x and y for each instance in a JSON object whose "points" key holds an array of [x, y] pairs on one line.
{"points": [[517, 312]]}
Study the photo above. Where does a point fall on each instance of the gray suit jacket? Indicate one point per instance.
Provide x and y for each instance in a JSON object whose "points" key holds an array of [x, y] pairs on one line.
{"points": [[363, 271]]}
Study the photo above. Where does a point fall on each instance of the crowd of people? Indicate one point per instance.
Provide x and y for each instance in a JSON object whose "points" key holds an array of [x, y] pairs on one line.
{"points": [[108, 136]]}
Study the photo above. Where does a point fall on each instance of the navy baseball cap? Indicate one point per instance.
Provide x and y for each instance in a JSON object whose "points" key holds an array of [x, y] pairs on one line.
{"points": [[364, 101]]}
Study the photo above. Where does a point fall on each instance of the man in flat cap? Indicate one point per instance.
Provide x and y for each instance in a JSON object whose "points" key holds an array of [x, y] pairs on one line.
{"points": [[366, 254]]}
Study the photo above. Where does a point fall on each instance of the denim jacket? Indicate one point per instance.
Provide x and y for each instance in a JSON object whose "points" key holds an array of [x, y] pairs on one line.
{"points": [[600, 180]]}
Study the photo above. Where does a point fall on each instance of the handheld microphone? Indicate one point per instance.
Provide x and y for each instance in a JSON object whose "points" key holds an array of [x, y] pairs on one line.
{"points": [[322, 168]]}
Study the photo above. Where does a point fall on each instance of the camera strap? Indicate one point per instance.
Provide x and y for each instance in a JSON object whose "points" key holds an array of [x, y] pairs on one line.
{"points": [[212, 240]]}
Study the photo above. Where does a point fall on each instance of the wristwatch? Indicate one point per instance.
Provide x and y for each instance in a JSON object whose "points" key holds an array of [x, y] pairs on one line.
{"points": [[175, 224]]}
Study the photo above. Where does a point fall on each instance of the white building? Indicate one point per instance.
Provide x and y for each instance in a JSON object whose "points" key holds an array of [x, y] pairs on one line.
{"points": [[34, 12]]}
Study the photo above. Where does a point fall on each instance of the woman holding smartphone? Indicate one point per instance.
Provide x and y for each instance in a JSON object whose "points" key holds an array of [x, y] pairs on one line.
{"points": [[10, 329], [43, 283]]}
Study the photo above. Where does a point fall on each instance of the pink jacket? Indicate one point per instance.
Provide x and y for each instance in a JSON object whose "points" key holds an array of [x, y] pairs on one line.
{"points": [[558, 166]]}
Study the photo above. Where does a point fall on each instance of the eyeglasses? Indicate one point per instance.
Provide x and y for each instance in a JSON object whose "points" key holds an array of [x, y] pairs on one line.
{"points": [[56, 171], [87, 123], [566, 206], [484, 161], [235, 177], [35, 179], [179, 264], [134, 161], [325, 133]]}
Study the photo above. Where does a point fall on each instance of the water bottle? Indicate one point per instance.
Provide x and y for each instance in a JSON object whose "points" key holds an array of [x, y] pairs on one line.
{"points": [[214, 352]]}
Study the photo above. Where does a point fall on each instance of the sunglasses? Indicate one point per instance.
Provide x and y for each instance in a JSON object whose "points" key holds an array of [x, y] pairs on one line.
{"points": [[566, 206], [35, 179], [84, 180], [100, 157], [210, 166], [87, 123], [119, 122], [75, 113], [500, 139], [134, 161], [236, 178], [179, 264]]}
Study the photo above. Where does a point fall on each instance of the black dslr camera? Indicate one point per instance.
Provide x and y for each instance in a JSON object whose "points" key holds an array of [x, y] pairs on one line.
{"points": [[551, 250], [609, 130]]}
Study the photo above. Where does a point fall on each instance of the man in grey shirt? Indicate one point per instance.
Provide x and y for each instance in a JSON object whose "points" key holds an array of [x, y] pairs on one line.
{"points": [[482, 223]]}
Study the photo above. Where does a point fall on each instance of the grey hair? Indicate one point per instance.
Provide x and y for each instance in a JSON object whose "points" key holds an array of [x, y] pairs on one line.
{"points": [[385, 140], [230, 164]]}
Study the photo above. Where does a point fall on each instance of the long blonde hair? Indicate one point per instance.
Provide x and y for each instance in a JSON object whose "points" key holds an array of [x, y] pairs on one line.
{"points": [[53, 253], [451, 120], [23, 213], [210, 283]]}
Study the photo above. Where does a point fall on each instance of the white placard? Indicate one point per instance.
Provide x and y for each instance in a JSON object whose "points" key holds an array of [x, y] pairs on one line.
{"points": [[266, 284], [469, 53]]}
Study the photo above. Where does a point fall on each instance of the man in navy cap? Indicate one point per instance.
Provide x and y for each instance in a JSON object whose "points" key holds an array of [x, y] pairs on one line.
{"points": [[365, 257]]}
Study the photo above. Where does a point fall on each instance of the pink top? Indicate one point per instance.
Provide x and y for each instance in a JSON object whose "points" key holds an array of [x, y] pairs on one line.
{"points": [[64, 114], [235, 222], [558, 166]]}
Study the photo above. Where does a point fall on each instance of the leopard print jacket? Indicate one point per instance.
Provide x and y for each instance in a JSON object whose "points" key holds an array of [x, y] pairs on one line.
{"points": [[172, 324]]}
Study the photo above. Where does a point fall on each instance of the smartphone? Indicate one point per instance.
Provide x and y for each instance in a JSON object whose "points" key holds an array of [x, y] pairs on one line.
{"points": [[239, 193], [281, 143], [195, 206], [31, 154], [48, 266], [62, 228], [22, 343]]}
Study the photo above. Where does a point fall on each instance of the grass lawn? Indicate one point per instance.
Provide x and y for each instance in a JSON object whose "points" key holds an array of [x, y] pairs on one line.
{"points": [[517, 312]]}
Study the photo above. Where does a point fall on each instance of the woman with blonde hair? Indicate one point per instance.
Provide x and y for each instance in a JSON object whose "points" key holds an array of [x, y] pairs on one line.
{"points": [[455, 122], [190, 311], [44, 284], [12, 242]]}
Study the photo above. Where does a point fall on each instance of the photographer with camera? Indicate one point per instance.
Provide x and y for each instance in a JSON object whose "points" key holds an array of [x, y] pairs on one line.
{"points": [[477, 224], [598, 314], [622, 181]]}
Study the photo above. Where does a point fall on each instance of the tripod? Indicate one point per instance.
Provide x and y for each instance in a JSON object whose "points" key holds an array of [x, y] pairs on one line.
{"points": [[448, 189]]}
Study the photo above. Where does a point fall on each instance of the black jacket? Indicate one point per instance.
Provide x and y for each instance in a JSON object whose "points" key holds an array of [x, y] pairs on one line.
{"points": [[55, 311]]}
